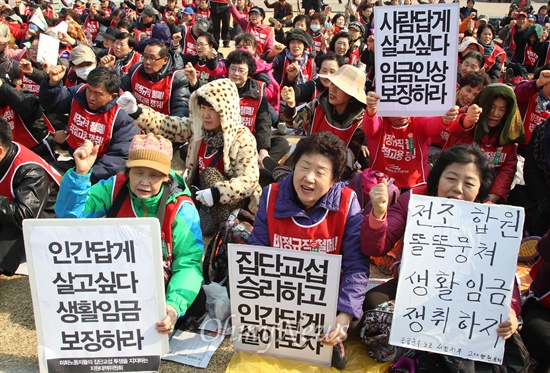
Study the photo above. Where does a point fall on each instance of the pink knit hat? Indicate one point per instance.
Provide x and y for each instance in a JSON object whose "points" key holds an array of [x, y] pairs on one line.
{"points": [[153, 151]]}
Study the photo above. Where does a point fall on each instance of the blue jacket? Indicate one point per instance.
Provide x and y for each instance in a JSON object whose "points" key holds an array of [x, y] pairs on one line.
{"points": [[355, 265], [58, 100]]}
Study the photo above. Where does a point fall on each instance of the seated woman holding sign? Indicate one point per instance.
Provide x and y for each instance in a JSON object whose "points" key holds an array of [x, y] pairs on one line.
{"points": [[312, 205], [462, 173], [147, 188]]}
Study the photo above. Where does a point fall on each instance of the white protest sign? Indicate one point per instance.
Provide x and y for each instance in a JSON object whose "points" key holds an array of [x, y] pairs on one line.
{"points": [[48, 49], [61, 27], [416, 49], [456, 277], [97, 287], [282, 301]]}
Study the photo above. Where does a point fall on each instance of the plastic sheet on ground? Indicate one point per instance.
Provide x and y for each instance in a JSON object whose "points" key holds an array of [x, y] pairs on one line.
{"points": [[356, 353]]}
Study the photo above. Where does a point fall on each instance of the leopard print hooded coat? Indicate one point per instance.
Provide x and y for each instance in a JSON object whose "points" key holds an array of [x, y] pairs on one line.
{"points": [[240, 157]]}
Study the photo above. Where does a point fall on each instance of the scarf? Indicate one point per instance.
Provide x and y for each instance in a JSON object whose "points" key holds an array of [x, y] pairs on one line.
{"points": [[302, 61], [511, 127], [213, 141], [487, 48], [120, 62], [542, 102]]}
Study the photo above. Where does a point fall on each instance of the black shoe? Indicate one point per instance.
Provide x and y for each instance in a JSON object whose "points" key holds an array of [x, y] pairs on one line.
{"points": [[339, 356], [226, 43]]}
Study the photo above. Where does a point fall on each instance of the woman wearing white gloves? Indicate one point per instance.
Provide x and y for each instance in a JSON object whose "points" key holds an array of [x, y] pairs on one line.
{"points": [[222, 158]]}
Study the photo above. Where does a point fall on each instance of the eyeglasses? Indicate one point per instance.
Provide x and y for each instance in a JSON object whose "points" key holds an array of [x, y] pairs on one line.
{"points": [[238, 71], [150, 59], [202, 45]]}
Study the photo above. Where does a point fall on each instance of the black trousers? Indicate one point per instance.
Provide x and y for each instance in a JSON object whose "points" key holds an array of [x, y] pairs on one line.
{"points": [[222, 18], [12, 249], [536, 332], [380, 294]]}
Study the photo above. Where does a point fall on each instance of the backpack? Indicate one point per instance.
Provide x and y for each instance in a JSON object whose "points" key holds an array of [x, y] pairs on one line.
{"points": [[236, 229], [375, 334]]}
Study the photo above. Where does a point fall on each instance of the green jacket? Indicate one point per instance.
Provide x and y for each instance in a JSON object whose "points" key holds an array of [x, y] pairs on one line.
{"points": [[77, 198]]}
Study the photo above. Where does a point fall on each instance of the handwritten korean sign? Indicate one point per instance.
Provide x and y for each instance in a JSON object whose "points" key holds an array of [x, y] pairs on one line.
{"points": [[416, 59], [282, 301], [457, 277], [98, 289]]}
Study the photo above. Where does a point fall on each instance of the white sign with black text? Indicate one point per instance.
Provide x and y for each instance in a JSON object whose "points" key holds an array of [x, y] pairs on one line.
{"points": [[456, 277], [98, 289], [416, 49], [282, 301]]}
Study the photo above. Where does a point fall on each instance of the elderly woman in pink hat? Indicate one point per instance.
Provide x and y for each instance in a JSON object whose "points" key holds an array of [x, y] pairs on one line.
{"points": [[339, 109], [148, 188]]}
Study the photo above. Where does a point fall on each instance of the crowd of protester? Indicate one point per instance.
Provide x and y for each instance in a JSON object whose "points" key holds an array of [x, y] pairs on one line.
{"points": [[129, 68]]}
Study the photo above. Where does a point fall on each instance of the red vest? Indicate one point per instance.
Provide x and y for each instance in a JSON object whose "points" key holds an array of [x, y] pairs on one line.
{"points": [[156, 95], [29, 84], [529, 56], [167, 13], [107, 11], [354, 58], [91, 26], [20, 132], [243, 13], [532, 118], [249, 109], [79, 9], [85, 125], [317, 42], [320, 123], [136, 57], [261, 35], [189, 42], [203, 76], [399, 154], [22, 157], [490, 60], [205, 161], [307, 71], [324, 236], [202, 13], [172, 208]]}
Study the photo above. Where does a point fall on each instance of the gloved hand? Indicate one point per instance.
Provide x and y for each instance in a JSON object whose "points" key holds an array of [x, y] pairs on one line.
{"points": [[128, 103], [205, 197]]}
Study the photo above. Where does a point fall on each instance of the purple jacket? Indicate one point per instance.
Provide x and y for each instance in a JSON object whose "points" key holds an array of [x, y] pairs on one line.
{"points": [[355, 265]]}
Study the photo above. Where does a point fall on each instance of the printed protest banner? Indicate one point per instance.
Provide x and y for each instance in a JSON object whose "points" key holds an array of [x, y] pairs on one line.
{"points": [[456, 277], [97, 287], [416, 49], [282, 301]]}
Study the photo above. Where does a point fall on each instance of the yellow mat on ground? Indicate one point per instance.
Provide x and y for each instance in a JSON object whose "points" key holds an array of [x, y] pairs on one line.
{"points": [[356, 353]]}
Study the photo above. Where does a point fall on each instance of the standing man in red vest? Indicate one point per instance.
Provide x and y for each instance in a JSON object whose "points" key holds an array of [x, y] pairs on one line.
{"points": [[28, 187], [93, 115], [158, 81]]}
